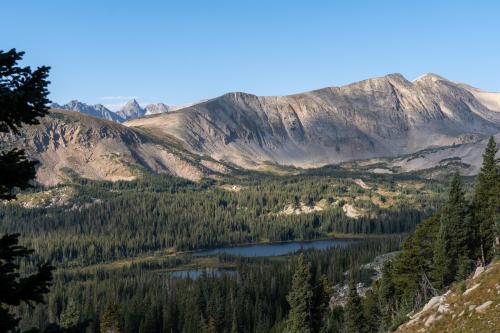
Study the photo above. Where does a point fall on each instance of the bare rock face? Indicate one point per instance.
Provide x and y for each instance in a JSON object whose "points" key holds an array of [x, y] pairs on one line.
{"points": [[99, 149], [466, 156], [386, 116], [131, 110]]}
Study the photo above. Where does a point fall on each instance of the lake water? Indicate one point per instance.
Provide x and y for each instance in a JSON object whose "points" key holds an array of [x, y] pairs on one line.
{"points": [[275, 249]]}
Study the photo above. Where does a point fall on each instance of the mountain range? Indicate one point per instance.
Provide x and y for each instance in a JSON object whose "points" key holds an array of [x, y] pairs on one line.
{"points": [[386, 117], [130, 110]]}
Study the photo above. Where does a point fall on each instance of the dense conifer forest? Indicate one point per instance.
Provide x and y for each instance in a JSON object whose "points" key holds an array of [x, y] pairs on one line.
{"points": [[103, 221]]}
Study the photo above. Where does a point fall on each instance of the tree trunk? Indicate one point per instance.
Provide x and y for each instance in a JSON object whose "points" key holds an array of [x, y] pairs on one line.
{"points": [[483, 261]]}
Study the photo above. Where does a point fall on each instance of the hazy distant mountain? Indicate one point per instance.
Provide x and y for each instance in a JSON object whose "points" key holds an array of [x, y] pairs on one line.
{"points": [[97, 110], [385, 116], [131, 110], [156, 108]]}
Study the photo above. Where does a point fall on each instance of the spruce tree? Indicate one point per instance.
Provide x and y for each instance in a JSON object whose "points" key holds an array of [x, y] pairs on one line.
{"points": [[372, 312], [453, 241], [386, 295], [441, 263], [110, 321], [70, 317], [320, 302], [486, 203], [15, 289], [23, 98], [300, 299], [354, 318]]}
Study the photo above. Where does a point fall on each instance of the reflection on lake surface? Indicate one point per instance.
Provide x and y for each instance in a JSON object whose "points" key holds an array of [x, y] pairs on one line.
{"points": [[275, 249]]}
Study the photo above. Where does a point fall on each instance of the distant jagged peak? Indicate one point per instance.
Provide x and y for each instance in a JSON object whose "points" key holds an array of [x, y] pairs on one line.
{"points": [[429, 77], [156, 108], [132, 103], [392, 78], [396, 76], [97, 110], [131, 110], [75, 103], [238, 96], [101, 107]]}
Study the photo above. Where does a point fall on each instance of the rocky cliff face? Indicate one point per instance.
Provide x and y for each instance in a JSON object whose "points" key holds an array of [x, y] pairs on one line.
{"points": [[385, 116], [100, 149]]}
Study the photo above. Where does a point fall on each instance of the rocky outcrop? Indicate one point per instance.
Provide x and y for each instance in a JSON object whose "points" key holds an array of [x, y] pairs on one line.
{"points": [[386, 116], [470, 307]]}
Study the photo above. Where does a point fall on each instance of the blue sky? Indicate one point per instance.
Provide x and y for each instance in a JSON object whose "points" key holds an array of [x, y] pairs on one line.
{"points": [[177, 52]]}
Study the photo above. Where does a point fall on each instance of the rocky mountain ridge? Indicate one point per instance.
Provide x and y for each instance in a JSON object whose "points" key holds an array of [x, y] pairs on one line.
{"points": [[99, 149], [97, 110], [386, 124], [130, 110], [385, 116]]}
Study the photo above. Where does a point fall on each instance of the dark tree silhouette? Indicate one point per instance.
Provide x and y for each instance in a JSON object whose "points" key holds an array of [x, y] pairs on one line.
{"points": [[23, 98], [15, 289]]}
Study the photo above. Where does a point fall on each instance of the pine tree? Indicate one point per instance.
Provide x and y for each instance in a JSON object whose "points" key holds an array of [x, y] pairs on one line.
{"points": [[386, 294], [354, 318], [372, 312], [23, 98], [70, 317], [14, 289], [441, 264], [486, 203], [320, 301], [110, 321], [300, 299], [452, 250]]}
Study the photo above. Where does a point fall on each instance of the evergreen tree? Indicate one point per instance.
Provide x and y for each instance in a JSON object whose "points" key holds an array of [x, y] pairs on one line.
{"points": [[387, 295], [110, 320], [15, 289], [486, 203], [354, 318], [372, 312], [300, 299], [320, 301], [441, 263], [452, 248], [70, 317], [23, 98]]}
